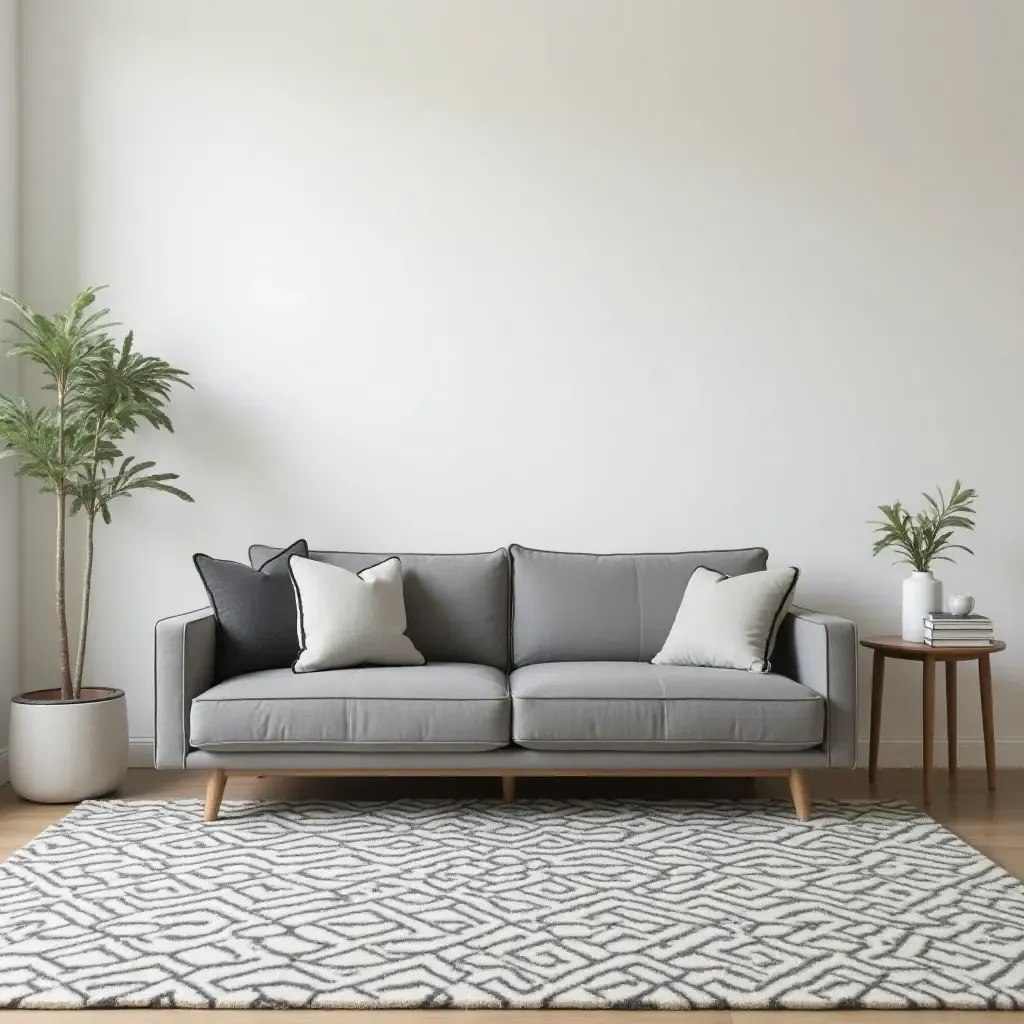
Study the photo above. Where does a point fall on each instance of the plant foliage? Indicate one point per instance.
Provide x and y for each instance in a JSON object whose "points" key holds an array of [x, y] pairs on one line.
{"points": [[922, 538], [102, 392]]}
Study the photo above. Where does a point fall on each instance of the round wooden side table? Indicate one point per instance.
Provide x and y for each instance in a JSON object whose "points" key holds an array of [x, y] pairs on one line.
{"points": [[903, 650]]}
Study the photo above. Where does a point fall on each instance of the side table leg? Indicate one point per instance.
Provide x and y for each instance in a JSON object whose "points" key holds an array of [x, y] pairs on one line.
{"points": [[877, 683], [928, 709], [951, 715], [988, 727]]}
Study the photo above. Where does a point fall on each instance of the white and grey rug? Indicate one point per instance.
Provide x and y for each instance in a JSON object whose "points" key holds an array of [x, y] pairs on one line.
{"points": [[543, 903]]}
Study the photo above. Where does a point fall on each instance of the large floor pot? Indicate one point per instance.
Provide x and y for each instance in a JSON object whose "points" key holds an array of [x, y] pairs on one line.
{"points": [[63, 751]]}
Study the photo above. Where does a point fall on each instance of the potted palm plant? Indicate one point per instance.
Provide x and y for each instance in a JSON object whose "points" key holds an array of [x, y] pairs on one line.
{"points": [[69, 741], [920, 540]]}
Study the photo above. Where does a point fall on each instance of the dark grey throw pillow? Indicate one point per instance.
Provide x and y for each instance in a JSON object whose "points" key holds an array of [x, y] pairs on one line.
{"points": [[255, 610]]}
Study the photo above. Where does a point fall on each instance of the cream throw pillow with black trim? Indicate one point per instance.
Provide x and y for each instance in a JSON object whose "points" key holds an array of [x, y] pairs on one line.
{"points": [[729, 621], [347, 619]]}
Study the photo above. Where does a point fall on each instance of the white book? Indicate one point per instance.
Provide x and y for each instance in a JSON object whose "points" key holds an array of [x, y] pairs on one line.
{"points": [[961, 631], [932, 642]]}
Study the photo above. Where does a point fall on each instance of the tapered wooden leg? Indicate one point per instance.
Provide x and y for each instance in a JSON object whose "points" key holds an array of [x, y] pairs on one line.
{"points": [[951, 715], [508, 788], [214, 791], [800, 793], [877, 683], [988, 726], [928, 723]]}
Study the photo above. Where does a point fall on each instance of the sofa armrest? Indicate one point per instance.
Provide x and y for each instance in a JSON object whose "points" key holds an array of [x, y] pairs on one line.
{"points": [[820, 651], [185, 653]]}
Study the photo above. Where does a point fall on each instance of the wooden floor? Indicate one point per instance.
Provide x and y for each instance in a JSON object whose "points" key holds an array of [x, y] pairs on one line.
{"points": [[991, 822]]}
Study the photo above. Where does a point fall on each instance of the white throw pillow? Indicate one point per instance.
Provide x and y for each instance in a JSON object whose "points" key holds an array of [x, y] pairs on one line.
{"points": [[729, 621], [347, 619]]}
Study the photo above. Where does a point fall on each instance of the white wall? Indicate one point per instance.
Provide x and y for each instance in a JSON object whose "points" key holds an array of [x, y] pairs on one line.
{"points": [[9, 219], [594, 275]]}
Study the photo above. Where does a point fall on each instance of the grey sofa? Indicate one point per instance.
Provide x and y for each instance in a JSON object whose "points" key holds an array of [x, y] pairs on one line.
{"points": [[538, 663]]}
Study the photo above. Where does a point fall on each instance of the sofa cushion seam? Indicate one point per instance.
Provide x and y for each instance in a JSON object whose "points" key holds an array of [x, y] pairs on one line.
{"points": [[718, 700], [811, 744], [426, 744], [431, 700]]}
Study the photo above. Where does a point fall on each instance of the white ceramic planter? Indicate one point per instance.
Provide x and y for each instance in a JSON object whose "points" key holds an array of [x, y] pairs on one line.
{"points": [[65, 751], [922, 595]]}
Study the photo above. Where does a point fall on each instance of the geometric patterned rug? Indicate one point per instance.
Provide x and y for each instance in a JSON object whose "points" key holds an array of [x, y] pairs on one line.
{"points": [[541, 903]]}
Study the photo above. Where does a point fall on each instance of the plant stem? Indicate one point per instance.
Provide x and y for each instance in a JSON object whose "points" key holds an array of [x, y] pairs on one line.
{"points": [[66, 691], [83, 631], [62, 616], [90, 526]]}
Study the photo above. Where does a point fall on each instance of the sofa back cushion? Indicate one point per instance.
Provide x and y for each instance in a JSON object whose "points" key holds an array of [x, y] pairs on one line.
{"points": [[577, 607], [457, 606]]}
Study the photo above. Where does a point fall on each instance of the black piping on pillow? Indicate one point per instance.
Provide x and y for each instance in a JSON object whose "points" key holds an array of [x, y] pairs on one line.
{"points": [[255, 612], [766, 665], [298, 596]]}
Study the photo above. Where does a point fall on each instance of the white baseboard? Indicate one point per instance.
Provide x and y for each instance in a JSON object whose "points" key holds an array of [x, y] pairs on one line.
{"points": [[140, 753], [970, 753], [5, 775]]}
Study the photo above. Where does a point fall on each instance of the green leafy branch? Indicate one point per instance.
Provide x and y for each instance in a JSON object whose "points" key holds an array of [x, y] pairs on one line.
{"points": [[103, 393], [922, 538]]}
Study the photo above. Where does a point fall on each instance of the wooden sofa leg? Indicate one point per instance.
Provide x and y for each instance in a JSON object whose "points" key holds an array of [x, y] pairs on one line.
{"points": [[508, 788], [800, 793], [215, 782]]}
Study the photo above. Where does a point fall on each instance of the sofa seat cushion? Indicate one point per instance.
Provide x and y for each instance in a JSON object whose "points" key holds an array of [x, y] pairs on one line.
{"points": [[615, 705], [438, 707]]}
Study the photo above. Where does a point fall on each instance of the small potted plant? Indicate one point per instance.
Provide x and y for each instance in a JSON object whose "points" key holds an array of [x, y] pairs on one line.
{"points": [[69, 741], [921, 540]]}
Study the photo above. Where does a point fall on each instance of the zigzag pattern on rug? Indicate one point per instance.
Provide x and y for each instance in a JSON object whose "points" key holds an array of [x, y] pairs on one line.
{"points": [[544, 903]]}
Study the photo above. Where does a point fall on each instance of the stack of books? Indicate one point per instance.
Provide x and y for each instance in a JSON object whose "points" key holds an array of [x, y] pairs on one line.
{"points": [[943, 629]]}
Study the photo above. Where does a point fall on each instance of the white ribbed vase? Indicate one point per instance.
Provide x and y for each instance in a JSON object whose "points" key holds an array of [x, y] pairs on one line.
{"points": [[922, 595]]}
